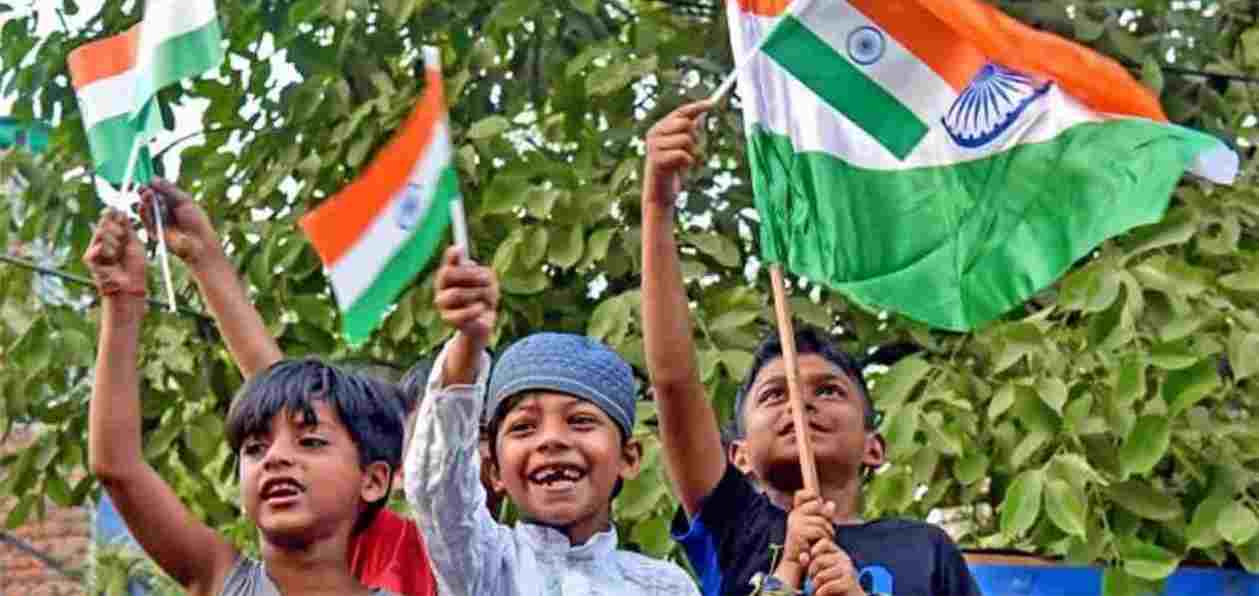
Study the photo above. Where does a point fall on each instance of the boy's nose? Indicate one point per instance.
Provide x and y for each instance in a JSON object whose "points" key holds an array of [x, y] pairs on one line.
{"points": [[277, 457], [553, 439]]}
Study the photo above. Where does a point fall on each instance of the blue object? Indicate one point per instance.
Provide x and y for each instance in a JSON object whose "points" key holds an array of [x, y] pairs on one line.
{"points": [[1060, 580], [571, 364]]}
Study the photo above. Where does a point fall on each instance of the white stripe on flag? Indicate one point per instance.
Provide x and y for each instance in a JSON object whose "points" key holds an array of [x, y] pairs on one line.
{"points": [[897, 71], [358, 268], [106, 98], [165, 19]]}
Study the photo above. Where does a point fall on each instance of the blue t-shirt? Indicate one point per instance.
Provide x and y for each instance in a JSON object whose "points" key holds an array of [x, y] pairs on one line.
{"points": [[730, 541], [701, 551]]}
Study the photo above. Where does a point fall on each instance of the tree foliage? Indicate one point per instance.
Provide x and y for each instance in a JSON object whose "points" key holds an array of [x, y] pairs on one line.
{"points": [[1110, 420]]}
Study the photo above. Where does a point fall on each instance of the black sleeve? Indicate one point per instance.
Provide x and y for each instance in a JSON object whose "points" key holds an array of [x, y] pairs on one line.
{"points": [[953, 576], [725, 510]]}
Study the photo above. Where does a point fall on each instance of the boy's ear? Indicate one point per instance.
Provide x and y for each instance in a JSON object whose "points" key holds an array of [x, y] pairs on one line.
{"points": [[496, 477], [632, 458], [875, 454], [738, 454], [376, 481]]}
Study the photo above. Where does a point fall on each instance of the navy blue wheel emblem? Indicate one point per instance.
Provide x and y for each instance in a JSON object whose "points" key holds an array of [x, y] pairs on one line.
{"points": [[866, 45], [990, 105], [408, 211]]}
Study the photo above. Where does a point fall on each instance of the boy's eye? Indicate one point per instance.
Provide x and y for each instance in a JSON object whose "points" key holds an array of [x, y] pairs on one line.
{"points": [[252, 448], [830, 390], [583, 420], [772, 395], [313, 442], [516, 428]]}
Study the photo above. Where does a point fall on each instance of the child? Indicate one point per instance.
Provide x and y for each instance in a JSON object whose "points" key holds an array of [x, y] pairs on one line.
{"points": [[911, 558], [560, 444], [314, 447], [387, 554]]}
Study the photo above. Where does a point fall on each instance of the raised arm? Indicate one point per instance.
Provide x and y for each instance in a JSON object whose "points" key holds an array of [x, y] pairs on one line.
{"points": [[443, 468], [186, 549], [191, 237], [688, 423]]}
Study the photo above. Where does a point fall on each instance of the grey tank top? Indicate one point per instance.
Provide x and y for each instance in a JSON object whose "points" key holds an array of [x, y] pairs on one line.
{"points": [[248, 578]]}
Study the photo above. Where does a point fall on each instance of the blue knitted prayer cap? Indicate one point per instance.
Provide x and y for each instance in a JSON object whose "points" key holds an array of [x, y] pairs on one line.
{"points": [[566, 363]]}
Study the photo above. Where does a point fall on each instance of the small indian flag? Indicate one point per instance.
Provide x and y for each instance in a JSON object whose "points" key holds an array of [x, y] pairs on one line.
{"points": [[379, 232], [940, 159], [117, 77]]}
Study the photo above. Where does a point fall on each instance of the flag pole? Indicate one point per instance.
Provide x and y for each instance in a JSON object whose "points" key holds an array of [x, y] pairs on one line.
{"points": [[458, 217], [164, 257], [791, 363]]}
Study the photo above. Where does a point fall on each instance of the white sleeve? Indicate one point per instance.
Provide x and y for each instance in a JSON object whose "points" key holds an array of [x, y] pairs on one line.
{"points": [[471, 553]]}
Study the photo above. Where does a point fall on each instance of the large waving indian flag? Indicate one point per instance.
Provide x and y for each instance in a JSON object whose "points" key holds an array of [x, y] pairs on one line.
{"points": [[940, 159], [379, 232], [117, 77]]}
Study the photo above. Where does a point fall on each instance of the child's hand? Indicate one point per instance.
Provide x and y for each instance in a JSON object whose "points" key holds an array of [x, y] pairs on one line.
{"points": [[832, 572], [672, 148], [467, 296], [188, 231], [116, 258], [808, 523]]}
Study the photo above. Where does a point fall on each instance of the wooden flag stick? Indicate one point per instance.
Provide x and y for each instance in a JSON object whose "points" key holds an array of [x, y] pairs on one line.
{"points": [[791, 363]]}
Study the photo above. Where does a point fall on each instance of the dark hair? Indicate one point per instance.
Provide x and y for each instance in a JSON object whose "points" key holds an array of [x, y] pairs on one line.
{"points": [[369, 409], [505, 407], [809, 340], [413, 385]]}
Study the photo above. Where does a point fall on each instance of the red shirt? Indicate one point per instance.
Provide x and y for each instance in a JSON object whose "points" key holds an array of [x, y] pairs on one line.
{"points": [[390, 555]]}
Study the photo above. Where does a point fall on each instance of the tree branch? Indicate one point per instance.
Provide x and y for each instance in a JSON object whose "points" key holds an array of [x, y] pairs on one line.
{"points": [[49, 562]]}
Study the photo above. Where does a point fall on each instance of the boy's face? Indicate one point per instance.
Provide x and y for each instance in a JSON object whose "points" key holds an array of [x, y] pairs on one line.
{"points": [[559, 458], [302, 482], [835, 411]]}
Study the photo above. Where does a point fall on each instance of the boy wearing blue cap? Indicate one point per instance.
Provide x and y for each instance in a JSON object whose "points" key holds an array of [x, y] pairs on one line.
{"points": [[561, 419]]}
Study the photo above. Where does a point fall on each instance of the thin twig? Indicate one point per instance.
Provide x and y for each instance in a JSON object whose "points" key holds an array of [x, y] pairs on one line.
{"points": [[48, 561]]}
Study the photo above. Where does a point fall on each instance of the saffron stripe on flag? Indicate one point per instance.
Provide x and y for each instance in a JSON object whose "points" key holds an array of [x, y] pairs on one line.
{"points": [[103, 58], [833, 78], [927, 38], [365, 313]]}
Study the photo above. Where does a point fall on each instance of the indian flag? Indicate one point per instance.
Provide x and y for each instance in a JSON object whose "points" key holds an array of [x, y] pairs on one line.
{"points": [[940, 159], [117, 77], [379, 232]]}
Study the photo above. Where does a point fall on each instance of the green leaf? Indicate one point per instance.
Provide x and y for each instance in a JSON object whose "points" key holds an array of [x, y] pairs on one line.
{"points": [[1237, 523], [1140, 498], [1145, 445], [610, 321], [1001, 401], [1243, 354], [737, 362], [652, 534], [900, 428], [1053, 392], [1022, 501], [1034, 413], [566, 247], [970, 468], [1065, 507], [1184, 388], [1148, 561], [897, 384], [533, 247], [1250, 47], [1074, 468], [720, 248], [1130, 383], [1247, 281], [1152, 74], [491, 126]]}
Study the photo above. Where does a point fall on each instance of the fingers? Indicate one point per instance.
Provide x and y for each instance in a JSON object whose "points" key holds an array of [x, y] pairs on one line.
{"points": [[464, 317], [110, 239], [169, 191], [694, 109], [456, 298]]}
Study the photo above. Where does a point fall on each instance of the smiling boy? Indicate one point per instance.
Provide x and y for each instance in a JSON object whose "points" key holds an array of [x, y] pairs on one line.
{"points": [[845, 556], [560, 445]]}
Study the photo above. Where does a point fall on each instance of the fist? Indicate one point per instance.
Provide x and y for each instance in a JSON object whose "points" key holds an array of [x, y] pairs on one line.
{"points": [[808, 523], [467, 295], [115, 257], [672, 148], [185, 226], [832, 571]]}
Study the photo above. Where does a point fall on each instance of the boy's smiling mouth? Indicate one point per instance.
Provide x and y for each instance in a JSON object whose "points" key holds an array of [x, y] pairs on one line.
{"points": [[557, 476]]}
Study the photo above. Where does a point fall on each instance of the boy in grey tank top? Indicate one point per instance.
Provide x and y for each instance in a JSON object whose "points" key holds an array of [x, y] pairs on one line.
{"points": [[316, 447]]}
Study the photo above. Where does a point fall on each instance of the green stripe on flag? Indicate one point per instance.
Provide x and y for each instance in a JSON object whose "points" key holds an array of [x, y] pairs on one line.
{"points": [[181, 57], [842, 85], [957, 246], [366, 313], [111, 141]]}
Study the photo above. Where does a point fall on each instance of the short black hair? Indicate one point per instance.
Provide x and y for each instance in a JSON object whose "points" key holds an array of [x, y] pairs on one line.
{"points": [[369, 409], [809, 340], [413, 384]]}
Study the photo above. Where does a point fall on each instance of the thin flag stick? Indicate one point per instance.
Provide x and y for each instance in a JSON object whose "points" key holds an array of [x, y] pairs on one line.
{"points": [[791, 362], [162, 255], [458, 217]]}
